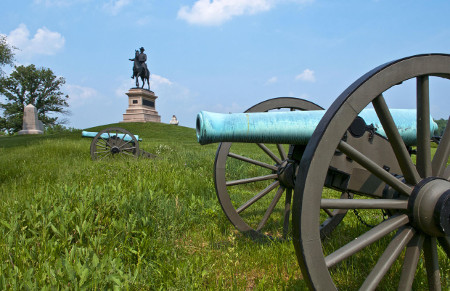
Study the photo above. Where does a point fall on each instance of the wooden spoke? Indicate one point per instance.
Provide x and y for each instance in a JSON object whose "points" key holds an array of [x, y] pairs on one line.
{"points": [[281, 151], [442, 153], [102, 152], [102, 141], [446, 174], [366, 239], [374, 168], [102, 146], [270, 208], [432, 263], [125, 143], [287, 212], [269, 153], [423, 160], [251, 161], [364, 204], [389, 256], [252, 180], [330, 214], [106, 142], [258, 196], [410, 262], [108, 154], [409, 170], [123, 137]]}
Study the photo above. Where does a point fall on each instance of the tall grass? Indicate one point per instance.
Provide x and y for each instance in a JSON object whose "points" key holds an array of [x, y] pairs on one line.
{"points": [[67, 222]]}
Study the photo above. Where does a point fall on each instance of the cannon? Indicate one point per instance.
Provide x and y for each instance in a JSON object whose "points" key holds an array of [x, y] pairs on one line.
{"points": [[349, 162], [295, 128], [115, 142]]}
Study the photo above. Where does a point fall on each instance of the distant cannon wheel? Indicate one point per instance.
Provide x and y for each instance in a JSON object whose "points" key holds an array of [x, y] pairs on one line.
{"points": [[251, 180], [419, 203], [114, 142]]}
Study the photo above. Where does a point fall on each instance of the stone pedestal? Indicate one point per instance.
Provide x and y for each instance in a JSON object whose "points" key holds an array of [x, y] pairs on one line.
{"points": [[141, 106], [31, 123]]}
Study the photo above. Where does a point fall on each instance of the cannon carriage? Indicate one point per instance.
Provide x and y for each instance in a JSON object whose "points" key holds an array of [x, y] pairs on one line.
{"points": [[348, 165]]}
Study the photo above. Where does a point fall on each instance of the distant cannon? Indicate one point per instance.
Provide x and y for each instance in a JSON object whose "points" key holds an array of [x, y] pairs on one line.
{"points": [[114, 142], [348, 162]]}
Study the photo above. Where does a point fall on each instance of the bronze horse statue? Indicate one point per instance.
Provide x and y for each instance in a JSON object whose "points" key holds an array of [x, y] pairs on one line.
{"points": [[140, 70]]}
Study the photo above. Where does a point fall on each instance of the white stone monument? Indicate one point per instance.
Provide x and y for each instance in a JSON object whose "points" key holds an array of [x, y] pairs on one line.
{"points": [[141, 106], [174, 120], [31, 123]]}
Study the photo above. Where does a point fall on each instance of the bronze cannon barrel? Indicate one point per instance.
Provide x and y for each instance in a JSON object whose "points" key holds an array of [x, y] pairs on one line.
{"points": [[294, 127]]}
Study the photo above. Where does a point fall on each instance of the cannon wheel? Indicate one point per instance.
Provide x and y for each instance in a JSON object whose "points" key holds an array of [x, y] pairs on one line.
{"points": [[419, 223], [231, 196], [114, 145]]}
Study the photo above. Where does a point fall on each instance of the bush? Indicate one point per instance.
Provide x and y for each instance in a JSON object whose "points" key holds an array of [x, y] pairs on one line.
{"points": [[59, 128]]}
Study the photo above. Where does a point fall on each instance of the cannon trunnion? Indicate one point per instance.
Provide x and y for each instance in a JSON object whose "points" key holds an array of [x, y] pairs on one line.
{"points": [[345, 164]]}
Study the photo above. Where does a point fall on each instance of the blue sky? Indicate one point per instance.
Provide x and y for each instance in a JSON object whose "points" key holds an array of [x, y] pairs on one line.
{"points": [[221, 55]]}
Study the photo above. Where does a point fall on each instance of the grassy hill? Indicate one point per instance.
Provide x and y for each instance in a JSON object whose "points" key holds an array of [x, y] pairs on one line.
{"points": [[67, 222]]}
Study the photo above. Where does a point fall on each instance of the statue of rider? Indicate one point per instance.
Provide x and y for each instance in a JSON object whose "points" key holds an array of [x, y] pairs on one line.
{"points": [[141, 58]]}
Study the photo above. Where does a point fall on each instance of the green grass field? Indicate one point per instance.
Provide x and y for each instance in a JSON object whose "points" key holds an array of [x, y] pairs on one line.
{"points": [[67, 222]]}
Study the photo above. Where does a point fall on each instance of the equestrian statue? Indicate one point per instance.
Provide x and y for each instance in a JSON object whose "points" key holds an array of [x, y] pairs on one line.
{"points": [[140, 68]]}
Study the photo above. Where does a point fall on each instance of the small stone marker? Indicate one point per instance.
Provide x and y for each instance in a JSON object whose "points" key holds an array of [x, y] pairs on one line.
{"points": [[31, 123], [174, 120]]}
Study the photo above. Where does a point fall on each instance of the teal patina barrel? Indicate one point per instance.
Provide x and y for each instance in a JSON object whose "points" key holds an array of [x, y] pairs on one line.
{"points": [[293, 127], [125, 137]]}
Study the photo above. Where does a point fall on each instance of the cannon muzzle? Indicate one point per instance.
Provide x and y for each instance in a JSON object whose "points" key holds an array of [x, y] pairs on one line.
{"points": [[293, 127]]}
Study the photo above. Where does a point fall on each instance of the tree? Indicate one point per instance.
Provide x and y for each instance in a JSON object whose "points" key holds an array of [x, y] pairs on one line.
{"points": [[442, 123], [29, 85], [6, 54]]}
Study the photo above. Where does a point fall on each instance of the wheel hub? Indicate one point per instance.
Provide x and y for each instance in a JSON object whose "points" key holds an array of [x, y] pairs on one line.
{"points": [[115, 150], [286, 173], [429, 206]]}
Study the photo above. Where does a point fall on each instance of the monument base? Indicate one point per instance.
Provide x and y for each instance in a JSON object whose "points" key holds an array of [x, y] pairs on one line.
{"points": [[141, 106], [30, 131]]}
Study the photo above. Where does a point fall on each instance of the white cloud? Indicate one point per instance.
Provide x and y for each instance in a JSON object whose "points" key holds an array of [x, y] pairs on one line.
{"points": [[272, 80], [143, 21], [307, 75], [115, 6], [216, 12], [44, 42], [79, 95], [124, 86], [156, 81], [58, 3]]}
